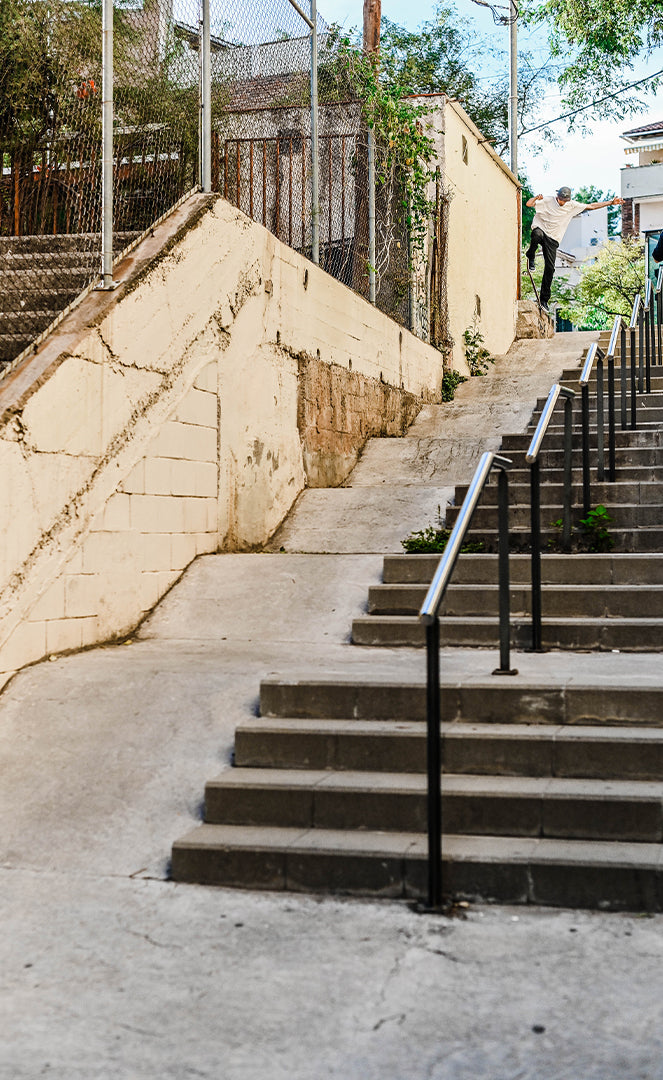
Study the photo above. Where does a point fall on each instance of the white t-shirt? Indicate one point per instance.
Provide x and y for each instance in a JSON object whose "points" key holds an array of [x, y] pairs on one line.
{"points": [[552, 218]]}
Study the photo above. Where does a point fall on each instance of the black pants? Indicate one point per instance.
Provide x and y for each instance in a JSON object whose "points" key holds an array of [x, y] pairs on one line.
{"points": [[549, 249]]}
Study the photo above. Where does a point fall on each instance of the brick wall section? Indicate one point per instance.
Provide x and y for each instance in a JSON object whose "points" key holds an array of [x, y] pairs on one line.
{"points": [[338, 410], [161, 516]]}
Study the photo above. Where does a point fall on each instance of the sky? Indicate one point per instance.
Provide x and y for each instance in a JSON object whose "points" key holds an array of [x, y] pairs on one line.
{"points": [[579, 159]]}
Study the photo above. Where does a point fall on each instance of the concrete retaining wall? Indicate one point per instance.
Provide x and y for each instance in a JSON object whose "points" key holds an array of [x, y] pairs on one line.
{"points": [[181, 414]]}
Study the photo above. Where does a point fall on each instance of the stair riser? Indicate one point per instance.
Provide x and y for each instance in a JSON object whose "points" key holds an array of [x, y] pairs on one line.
{"points": [[557, 883], [622, 517], [491, 702], [627, 440], [601, 635], [556, 603], [636, 540], [573, 818], [555, 569], [481, 754], [552, 494]]}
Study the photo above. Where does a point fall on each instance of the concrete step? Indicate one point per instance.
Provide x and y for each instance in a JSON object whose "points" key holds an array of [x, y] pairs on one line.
{"points": [[604, 752], [485, 701], [564, 632], [36, 262], [13, 344], [556, 807], [627, 440], [580, 601], [635, 492], [30, 282], [558, 569], [623, 516], [570, 873], [62, 242], [54, 299], [26, 322]]}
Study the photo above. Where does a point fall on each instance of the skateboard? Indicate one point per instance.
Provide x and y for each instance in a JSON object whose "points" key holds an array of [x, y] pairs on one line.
{"points": [[536, 291]]}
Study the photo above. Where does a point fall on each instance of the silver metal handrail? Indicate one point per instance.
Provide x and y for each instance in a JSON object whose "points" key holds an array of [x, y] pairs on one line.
{"points": [[532, 458], [438, 586], [429, 615]]}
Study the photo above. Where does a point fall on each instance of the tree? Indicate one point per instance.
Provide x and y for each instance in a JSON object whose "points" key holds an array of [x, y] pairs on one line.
{"points": [[591, 194], [597, 42], [607, 287], [445, 56]]}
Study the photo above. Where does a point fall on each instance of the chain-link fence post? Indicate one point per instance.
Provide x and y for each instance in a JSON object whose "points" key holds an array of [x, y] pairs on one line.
{"points": [[107, 146], [315, 173], [371, 216], [206, 101]]}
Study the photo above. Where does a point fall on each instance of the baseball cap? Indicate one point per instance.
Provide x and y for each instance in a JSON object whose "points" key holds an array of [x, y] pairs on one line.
{"points": [[564, 193]]}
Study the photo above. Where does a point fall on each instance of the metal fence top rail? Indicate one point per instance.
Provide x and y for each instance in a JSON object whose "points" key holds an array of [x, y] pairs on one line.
{"points": [[442, 576], [544, 420], [592, 352]]}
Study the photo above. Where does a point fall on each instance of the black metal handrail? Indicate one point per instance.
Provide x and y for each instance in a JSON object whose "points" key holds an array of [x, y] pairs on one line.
{"points": [[532, 458], [632, 326], [618, 328], [594, 352], [429, 615]]}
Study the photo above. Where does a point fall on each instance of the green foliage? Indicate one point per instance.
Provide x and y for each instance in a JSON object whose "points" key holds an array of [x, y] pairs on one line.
{"points": [[595, 530], [528, 212], [451, 380], [591, 194], [594, 533], [405, 151], [597, 42], [432, 540], [609, 286], [477, 356]]}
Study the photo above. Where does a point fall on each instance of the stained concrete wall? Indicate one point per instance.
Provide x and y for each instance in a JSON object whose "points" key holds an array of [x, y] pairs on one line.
{"points": [[179, 415], [483, 236]]}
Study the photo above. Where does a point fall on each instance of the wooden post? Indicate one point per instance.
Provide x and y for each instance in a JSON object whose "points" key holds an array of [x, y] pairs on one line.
{"points": [[372, 16]]}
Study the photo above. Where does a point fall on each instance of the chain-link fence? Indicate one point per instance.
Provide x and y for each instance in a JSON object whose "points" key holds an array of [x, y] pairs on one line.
{"points": [[261, 135]]}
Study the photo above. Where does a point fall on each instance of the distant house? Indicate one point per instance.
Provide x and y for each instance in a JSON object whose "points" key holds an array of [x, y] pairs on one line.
{"points": [[642, 182]]}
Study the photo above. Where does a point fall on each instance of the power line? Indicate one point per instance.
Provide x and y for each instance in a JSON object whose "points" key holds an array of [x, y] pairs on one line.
{"points": [[598, 101]]}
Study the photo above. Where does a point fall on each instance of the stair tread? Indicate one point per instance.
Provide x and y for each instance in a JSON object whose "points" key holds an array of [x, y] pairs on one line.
{"points": [[453, 783], [458, 729], [341, 842]]}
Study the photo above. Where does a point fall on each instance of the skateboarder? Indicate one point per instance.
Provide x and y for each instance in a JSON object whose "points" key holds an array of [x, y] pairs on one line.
{"points": [[551, 219]]}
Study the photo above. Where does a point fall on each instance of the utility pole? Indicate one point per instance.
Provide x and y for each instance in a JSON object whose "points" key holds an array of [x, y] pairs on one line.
{"points": [[372, 16], [513, 86]]}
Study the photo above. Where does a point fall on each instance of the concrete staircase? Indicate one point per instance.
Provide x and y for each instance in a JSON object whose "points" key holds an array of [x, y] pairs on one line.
{"points": [[39, 277], [552, 787]]}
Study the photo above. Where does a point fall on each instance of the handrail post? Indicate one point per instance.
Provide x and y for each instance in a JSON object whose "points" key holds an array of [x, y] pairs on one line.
{"points": [[617, 325], [641, 341], [650, 345], [586, 482], [636, 322], [434, 763], [633, 379], [503, 574], [622, 382], [612, 472], [568, 473], [600, 403], [535, 543]]}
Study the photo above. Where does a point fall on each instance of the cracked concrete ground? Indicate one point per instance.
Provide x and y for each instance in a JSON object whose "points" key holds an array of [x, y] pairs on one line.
{"points": [[109, 971]]}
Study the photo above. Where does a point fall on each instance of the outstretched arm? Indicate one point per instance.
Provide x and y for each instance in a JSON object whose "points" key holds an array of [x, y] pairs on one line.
{"points": [[610, 202], [535, 198]]}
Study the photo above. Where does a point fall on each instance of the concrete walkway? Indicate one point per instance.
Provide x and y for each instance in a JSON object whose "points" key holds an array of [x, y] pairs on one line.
{"points": [[108, 970]]}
